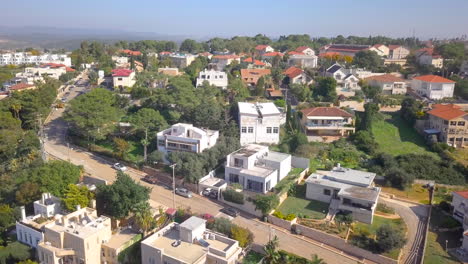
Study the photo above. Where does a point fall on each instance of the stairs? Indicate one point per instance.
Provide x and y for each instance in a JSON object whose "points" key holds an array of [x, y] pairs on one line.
{"points": [[332, 210]]}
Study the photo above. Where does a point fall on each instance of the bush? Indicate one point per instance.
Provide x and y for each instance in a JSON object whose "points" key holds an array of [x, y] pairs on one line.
{"points": [[266, 203], [445, 206], [389, 238], [243, 235], [280, 215], [233, 196], [385, 208]]}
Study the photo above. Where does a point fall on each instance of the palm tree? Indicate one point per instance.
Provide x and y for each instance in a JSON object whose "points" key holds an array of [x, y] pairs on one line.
{"points": [[144, 217], [317, 260], [272, 255]]}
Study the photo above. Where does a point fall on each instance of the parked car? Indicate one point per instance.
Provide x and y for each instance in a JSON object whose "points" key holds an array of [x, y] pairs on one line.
{"points": [[230, 211], [207, 216], [119, 167], [151, 180], [64, 100], [183, 192], [207, 191]]}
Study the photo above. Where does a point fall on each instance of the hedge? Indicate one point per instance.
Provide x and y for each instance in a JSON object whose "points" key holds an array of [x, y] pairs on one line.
{"points": [[233, 196], [280, 215]]}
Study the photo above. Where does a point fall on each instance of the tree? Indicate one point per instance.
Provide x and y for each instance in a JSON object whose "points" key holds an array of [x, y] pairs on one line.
{"points": [[148, 120], [7, 217], [121, 147], [368, 59], [280, 102], [144, 217], [300, 91], [27, 193], [389, 238], [411, 109], [76, 195], [325, 89], [371, 110], [144, 60], [132, 63], [364, 140], [28, 261], [272, 255], [237, 90], [266, 203], [371, 92], [398, 178], [344, 219], [243, 235], [260, 87], [118, 199], [190, 46], [93, 114]]}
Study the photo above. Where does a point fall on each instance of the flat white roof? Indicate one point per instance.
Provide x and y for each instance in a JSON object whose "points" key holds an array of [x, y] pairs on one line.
{"points": [[193, 223], [259, 109]]}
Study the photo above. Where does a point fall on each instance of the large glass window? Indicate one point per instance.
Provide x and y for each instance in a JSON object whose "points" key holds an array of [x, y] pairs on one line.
{"points": [[238, 163], [255, 186], [233, 178]]}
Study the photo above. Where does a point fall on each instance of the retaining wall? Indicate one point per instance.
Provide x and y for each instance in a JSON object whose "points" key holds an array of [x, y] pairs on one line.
{"points": [[281, 222]]}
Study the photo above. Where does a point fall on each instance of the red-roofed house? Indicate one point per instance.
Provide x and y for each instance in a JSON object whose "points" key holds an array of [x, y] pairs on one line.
{"points": [[303, 57], [305, 50], [255, 63], [251, 76], [131, 52], [297, 76], [427, 56], [380, 49], [390, 84], [262, 49], [450, 123], [322, 122], [343, 49], [123, 78], [21, 87], [433, 86], [271, 55]]}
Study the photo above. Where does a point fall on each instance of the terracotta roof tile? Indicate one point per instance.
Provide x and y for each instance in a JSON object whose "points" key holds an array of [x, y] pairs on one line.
{"points": [[261, 47], [21, 86], [433, 79], [293, 72], [392, 47], [325, 111], [301, 49], [463, 194], [446, 111], [273, 54], [121, 72], [131, 52]]}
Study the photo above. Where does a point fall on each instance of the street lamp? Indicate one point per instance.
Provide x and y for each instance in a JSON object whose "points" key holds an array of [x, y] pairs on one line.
{"points": [[173, 184]]}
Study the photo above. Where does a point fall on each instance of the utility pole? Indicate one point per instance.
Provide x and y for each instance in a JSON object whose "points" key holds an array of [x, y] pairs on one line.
{"points": [[41, 138], [173, 184]]}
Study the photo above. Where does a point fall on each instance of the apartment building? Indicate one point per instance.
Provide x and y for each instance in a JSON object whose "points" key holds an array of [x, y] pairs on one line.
{"points": [[433, 86], [221, 61], [180, 60], [346, 190], [322, 123], [123, 78], [186, 137], [30, 230], [216, 78], [18, 58], [256, 168], [450, 123], [189, 243], [390, 84], [259, 123], [75, 238]]}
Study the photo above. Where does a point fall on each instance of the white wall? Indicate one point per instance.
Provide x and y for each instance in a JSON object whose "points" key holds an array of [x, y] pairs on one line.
{"points": [[259, 133], [315, 192], [28, 235]]}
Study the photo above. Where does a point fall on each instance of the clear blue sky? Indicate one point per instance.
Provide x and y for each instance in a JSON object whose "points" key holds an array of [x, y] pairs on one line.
{"points": [[201, 18]]}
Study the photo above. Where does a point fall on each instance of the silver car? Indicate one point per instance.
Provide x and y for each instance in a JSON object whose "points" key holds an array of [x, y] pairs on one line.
{"points": [[119, 167], [183, 192]]}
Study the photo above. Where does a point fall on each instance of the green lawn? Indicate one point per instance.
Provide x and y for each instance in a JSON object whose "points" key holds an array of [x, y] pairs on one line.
{"points": [[435, 248], [395, 136], [298, 205], [252, 258]]}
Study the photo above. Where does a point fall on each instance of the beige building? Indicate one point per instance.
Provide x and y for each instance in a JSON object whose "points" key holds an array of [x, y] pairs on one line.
{"points": [[75, 238], [380, 49], [123, 78], [389, 83], [169, 71], [117, 244], [449, 123], [319, 123], [189, 243], [397, 52]]}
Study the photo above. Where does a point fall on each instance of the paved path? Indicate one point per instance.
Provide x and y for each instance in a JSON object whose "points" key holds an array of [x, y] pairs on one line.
{"points": [[56, 146], [415, 217]]}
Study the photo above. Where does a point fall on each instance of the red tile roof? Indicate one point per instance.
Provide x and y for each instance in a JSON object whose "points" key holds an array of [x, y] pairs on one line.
{"points": [[165, 53], [131, 52], [433, 79], [261, 47], [378, 45], [57, 65], [384, 78], [325, 111], [275, 93], [329, 54], [295, 53], [293, 72], [226, 57], [205, 54], [121, 72], [446, 111], [256, 62], [302, 48], [392, 47], [252, 75], [21, 86], [463, 194], [273, 54]]}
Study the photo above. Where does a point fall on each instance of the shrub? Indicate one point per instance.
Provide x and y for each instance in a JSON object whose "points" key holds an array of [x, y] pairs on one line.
{"points": [[266, 203], [280, 215], [445, 206], [385, 208], [243, 235], [233, 196], [389, 237]]}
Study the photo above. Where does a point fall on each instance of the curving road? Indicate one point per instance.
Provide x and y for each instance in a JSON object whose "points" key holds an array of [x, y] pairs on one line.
{"points": [[56, 146]]}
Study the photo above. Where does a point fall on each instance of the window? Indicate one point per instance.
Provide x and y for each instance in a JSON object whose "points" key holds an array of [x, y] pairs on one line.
{"points": [[268, 130], [185, 146], [453, 123], [221, 77], [275, 130], [203, 76], [119, 79], [243, 130], [255, 186], [250, 130], [445, 122], [326, 192], [461, 123], [234, 178], [458, 139], [238, 163], [172, 145], [161, 143]]}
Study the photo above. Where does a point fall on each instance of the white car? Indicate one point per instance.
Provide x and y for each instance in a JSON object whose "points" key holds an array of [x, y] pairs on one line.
{"points": [[119, 167]]}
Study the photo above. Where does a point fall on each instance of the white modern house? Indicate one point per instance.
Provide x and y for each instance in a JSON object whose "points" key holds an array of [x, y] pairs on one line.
{"points": [[186, 137], [390, 84], [256, 168], [189, 243], [433, 86], [303, 57], [30, 230], [345, 79], [18, 58], [181, 60], [346, 190], [123, 78], [259, 123], [216, 78]]}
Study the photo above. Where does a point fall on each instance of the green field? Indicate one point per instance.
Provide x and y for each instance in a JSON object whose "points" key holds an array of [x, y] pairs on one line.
{"points": [[395, 136]]}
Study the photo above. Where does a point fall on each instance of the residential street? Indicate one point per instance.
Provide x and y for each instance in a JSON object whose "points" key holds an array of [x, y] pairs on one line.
{"points": [[56, 147]]}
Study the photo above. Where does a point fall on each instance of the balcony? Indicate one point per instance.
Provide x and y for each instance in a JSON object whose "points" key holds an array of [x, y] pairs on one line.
{"points": [[332, 125]]}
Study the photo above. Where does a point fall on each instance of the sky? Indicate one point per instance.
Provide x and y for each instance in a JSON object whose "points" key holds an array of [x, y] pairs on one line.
{"points": [[208, 18]]}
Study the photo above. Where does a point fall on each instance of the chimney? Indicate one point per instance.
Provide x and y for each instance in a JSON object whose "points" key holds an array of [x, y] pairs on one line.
{"points": [[23, 213], [338, 165], [78, 207], [92, 204], [43, 198]]}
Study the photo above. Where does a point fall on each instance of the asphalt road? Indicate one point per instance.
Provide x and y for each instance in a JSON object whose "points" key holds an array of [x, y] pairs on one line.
{"points": [[56, 146]]}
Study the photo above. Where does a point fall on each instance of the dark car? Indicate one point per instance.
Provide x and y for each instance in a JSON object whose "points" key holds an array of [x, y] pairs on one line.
{"points": [[151, 180], [230, 211]]}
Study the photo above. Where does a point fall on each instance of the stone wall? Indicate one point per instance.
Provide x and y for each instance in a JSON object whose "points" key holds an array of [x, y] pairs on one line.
{"points": [[281, 222], [247, 207]]}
